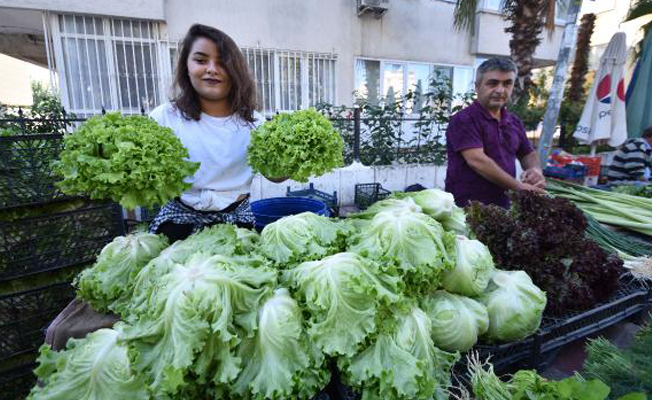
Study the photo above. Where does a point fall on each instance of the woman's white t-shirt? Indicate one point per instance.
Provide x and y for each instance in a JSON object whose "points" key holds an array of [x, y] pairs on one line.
{"points": [[220, 145]]}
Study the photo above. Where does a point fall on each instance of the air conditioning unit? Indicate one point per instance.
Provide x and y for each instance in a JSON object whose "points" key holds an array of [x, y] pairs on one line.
{"points": [[375, 7]]}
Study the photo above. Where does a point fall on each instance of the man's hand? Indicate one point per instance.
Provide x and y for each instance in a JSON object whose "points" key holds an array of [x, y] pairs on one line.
{"points": [[527, 186], [534, 177]]}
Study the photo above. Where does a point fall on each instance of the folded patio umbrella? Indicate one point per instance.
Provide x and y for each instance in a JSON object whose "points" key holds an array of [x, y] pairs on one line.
{"points": [[604, 116]]}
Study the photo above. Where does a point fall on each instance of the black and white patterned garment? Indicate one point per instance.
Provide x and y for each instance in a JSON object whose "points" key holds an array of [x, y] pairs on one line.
{"points": [[630, 161], [178, 213]]}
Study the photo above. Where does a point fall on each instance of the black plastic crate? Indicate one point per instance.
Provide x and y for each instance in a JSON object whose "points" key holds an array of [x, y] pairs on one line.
{"points": [[341, 391], [367, 194], [628, 300], [16, 383], [321, 396], [46, 243], [506, 355], [26, 175], [24, 316], [316, 194]]}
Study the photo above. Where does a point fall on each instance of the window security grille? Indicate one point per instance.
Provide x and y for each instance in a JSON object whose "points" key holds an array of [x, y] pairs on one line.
{"points": [[107, 63], [124, 64], [291, 80]]}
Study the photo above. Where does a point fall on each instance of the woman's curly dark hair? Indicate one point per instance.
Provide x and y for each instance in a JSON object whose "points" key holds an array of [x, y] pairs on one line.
{"points": [[243, 89]]}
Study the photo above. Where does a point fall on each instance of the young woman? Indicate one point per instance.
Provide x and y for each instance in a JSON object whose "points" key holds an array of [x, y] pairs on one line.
{"points": [[213, 115]]}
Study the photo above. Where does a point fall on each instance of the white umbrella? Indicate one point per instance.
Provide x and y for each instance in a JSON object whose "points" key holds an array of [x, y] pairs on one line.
{"points": [[604, 116]]}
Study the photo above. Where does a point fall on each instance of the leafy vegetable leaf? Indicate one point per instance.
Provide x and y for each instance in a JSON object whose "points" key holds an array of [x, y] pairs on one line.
{"points": [[341, 295], [128, 159], [297, 145]]}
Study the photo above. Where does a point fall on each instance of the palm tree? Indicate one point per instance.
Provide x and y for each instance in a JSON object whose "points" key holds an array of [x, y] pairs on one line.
{"points": [[573, 103], [527, 19], [640, 8], [576, 82]]}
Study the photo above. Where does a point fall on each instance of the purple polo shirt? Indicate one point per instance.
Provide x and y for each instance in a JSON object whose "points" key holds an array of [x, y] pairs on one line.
{"points": [[502, 141]]}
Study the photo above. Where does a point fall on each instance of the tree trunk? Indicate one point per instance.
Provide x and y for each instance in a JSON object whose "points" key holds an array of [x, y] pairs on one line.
{"points": [[576, 91], [581, 63], [527, 19]]}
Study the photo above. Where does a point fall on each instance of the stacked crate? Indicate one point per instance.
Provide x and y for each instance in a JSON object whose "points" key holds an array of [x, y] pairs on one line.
{"points": [[46, 238]]}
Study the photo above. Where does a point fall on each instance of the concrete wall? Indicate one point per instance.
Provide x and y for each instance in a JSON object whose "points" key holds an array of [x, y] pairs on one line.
{"points": [[144, 9], [343, 180], [492, 39], [609, 20], [16, 89]]}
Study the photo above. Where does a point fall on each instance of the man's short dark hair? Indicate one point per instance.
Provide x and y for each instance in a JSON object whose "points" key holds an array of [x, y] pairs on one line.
{"points": [[502, 64], [647, 132]]}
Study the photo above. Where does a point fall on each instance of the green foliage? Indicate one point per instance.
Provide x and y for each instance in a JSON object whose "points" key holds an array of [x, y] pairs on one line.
{"points": [[532, 107], [625, 370], [44, 116], [295, 145], [131, 160], [384, 138], [643, 191], [528, 385]]}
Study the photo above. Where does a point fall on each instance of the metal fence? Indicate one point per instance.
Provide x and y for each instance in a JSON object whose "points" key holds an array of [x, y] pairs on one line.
{"points": [[391, 140], [370, 140], [19, 124]]}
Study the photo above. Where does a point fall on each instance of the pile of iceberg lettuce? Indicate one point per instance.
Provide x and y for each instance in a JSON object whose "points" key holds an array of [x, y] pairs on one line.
{"points": [[389, 297]]}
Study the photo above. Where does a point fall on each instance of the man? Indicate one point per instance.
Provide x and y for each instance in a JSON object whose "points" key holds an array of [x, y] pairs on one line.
{"points": [[484, 140], [632, 159]]}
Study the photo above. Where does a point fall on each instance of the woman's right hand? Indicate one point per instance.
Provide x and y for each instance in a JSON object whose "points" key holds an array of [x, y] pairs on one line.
{"points": [[277, 180]]}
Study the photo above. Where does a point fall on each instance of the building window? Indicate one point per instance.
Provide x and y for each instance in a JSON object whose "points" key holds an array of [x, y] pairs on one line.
{"points": [[561, 11], [492, 5], [291, 80], [379, 79], [367, 80], [561, 8], [107, 63]]}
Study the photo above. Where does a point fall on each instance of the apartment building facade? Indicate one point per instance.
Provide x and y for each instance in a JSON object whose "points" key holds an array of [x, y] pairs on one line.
{"points": [[120, 55]]}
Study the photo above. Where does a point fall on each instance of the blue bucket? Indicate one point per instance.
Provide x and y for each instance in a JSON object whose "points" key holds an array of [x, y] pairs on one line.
{"points": [[269, 210]]}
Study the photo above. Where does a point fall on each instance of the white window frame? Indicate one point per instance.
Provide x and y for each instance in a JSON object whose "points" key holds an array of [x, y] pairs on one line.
{"points": [[484, 6], [159, 51], [384, 61], [405, 63]]}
